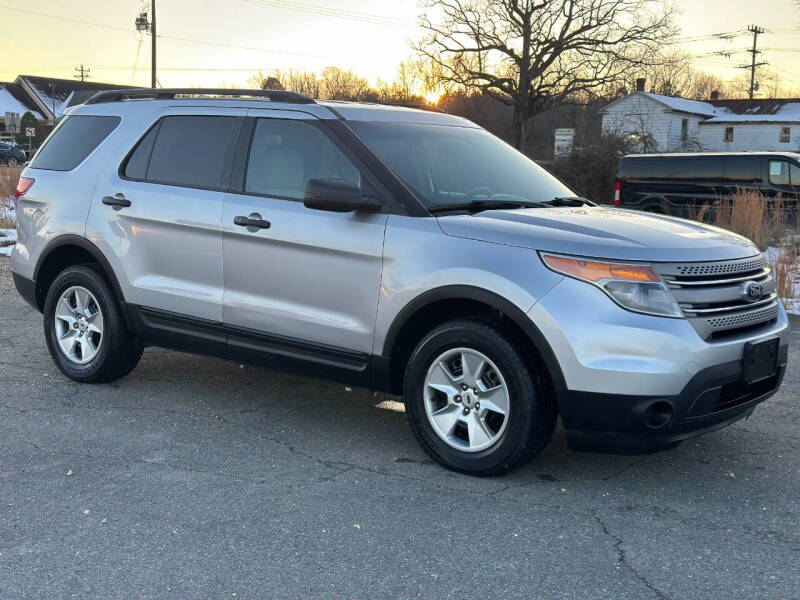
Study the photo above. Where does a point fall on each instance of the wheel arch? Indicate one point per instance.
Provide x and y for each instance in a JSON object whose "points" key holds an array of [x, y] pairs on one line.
{"points": [[65, 251], [434, 306]]}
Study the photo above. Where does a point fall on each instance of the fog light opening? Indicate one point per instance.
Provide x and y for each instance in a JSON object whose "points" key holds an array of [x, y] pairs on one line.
{"points": [[658, 414]]}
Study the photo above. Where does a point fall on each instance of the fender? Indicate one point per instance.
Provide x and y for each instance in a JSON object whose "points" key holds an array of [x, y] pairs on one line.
{"points": [[467, 292], [84, 244]]}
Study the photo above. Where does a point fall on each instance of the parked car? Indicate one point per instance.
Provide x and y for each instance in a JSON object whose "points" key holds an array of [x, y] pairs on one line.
{"points": [[680, 184], [399, 250], [11, 156]]}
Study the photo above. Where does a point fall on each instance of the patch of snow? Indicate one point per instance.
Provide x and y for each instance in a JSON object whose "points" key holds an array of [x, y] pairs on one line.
{"points": [[6, 236], [696, 107], [8, 103]]}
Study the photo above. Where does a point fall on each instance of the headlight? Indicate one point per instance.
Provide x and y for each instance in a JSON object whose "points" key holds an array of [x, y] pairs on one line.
{"points": [[636, 287]]}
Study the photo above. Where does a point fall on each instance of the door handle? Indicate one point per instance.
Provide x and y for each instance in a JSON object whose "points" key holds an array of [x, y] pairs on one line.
{"points": [[118, 200], [254, 220]]}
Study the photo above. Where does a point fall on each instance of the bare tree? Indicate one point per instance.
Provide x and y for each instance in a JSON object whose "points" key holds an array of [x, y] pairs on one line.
{"points": [[338, 84], [534, 54], [674, 75]]}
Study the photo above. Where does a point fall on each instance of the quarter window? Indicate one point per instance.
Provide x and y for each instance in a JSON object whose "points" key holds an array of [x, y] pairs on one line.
{"points": [[786, 135], [285, 154], [728, 134], [73, 141]]}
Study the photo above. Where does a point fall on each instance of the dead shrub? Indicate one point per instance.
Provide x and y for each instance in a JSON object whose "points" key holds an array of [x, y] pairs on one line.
{"points": [[785, 265], [9, 177], [748, 213]]}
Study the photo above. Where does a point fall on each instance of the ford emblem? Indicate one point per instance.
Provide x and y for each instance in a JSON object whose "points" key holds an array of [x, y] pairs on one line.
{"points": [[752, 291]]}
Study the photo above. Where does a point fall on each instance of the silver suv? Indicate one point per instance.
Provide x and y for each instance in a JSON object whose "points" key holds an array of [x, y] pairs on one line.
{"points": [[400, 250]]}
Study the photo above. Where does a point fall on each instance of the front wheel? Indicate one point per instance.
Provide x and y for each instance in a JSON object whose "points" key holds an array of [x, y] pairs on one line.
{"points": [[473, 400], [12, 161], [84, 328]]}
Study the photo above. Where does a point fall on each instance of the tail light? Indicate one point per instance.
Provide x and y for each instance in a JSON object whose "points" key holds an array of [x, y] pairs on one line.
{"points": [[25, 183], [617, 198]]}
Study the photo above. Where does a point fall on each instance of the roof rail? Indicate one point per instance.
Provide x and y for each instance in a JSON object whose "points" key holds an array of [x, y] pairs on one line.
{"points": [[171, 93]]}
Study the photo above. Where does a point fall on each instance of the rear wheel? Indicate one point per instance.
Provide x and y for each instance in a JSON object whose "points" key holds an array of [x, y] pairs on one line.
{"points": [[84, 329], [12, 161], [473, 401]]}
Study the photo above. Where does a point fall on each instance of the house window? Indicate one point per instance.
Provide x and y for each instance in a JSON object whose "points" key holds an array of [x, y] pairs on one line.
{"points": [[786, 135], [728, 134], [684, 130]]}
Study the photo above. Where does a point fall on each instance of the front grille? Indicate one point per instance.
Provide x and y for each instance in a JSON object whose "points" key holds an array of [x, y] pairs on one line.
{"points": [[721, 267], [710, 294]]}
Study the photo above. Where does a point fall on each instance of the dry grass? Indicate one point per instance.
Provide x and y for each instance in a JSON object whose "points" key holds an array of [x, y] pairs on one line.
{"points": [[785, 265], [748, 213], [9, 177]]}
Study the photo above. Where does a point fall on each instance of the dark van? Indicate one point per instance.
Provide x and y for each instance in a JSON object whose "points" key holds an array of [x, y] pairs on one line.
{"points": [[679, 184]]}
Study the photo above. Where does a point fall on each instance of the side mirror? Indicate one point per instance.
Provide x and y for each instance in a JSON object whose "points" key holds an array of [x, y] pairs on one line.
{"points": [[338, 195]]}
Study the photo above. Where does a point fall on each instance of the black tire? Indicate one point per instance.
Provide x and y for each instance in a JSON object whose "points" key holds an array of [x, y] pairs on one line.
{"points": [[119, 350], [12, 161], [532, 415]]}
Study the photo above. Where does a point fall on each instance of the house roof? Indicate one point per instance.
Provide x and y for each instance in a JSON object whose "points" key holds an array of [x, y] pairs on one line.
{"points": [[773, 110], [60, 94], [14, 99], [695, 107], [781, 110]]}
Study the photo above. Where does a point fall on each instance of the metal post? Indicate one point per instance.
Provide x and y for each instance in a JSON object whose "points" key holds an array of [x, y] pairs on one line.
{"points": [[756, 31], [153, 42]]}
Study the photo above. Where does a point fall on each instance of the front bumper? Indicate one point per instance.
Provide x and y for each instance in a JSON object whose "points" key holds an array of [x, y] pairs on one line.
{"points": [[714, 398], [635, 383]]}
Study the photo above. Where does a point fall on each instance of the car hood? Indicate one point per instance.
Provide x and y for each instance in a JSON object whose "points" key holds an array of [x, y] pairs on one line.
{"points": [[601, 232]]}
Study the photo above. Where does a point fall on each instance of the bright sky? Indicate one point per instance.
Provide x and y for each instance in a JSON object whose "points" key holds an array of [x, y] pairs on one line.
{"points": [[368, 36]]}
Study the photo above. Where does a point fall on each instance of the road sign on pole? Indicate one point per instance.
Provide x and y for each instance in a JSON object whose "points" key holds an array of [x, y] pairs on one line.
{"points": [[12, 122], [30, 132]]}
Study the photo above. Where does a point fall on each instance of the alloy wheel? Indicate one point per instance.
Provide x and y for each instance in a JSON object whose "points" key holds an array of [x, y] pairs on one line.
{"points": [[466, 399]]}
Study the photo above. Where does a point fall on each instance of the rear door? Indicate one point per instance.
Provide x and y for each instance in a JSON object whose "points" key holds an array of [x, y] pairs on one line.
{"points": [[160, 212], [313, 277]]}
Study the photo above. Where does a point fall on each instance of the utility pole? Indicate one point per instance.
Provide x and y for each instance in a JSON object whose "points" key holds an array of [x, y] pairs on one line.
{"points": [[756, 31], [153, 44], [82, 73]]}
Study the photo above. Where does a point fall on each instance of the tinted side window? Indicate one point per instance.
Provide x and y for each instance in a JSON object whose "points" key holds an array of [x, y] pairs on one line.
{"points": [[742, 168], [136, 167], [286, 154], [190, 150], [779, 172], [73, 141], [795, 176]]}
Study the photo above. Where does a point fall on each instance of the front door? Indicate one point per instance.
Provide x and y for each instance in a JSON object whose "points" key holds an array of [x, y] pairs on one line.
{"points": [[305, 277]]}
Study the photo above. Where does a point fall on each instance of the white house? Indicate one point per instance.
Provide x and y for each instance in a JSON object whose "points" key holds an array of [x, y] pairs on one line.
{"points": [[663, 123]]}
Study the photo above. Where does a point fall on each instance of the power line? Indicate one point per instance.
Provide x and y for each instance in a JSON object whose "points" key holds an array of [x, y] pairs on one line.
{"points": [[173, 37], [338, 13]]}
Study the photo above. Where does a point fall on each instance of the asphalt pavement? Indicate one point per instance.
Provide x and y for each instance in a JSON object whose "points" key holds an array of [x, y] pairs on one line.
{"points": [[199, 478]]}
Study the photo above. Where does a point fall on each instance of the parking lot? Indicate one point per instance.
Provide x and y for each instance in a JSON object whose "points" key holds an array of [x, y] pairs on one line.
{"points": [[199, 478]]}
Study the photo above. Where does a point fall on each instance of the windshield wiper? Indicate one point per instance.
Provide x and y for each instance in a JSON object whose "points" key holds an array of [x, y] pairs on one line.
{"points": [[479, 205], [569, 201]]}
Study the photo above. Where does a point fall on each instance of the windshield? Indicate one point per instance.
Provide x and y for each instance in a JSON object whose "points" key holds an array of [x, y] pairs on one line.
{"points": [[445, 165]]}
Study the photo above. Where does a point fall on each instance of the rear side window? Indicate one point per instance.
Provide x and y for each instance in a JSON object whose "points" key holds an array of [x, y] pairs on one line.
{"points": [[73, 141], [742, 168], [183, 150]]}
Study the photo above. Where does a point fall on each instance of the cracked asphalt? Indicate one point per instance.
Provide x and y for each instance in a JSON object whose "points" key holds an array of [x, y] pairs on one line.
{"points": [[199, 478]]}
